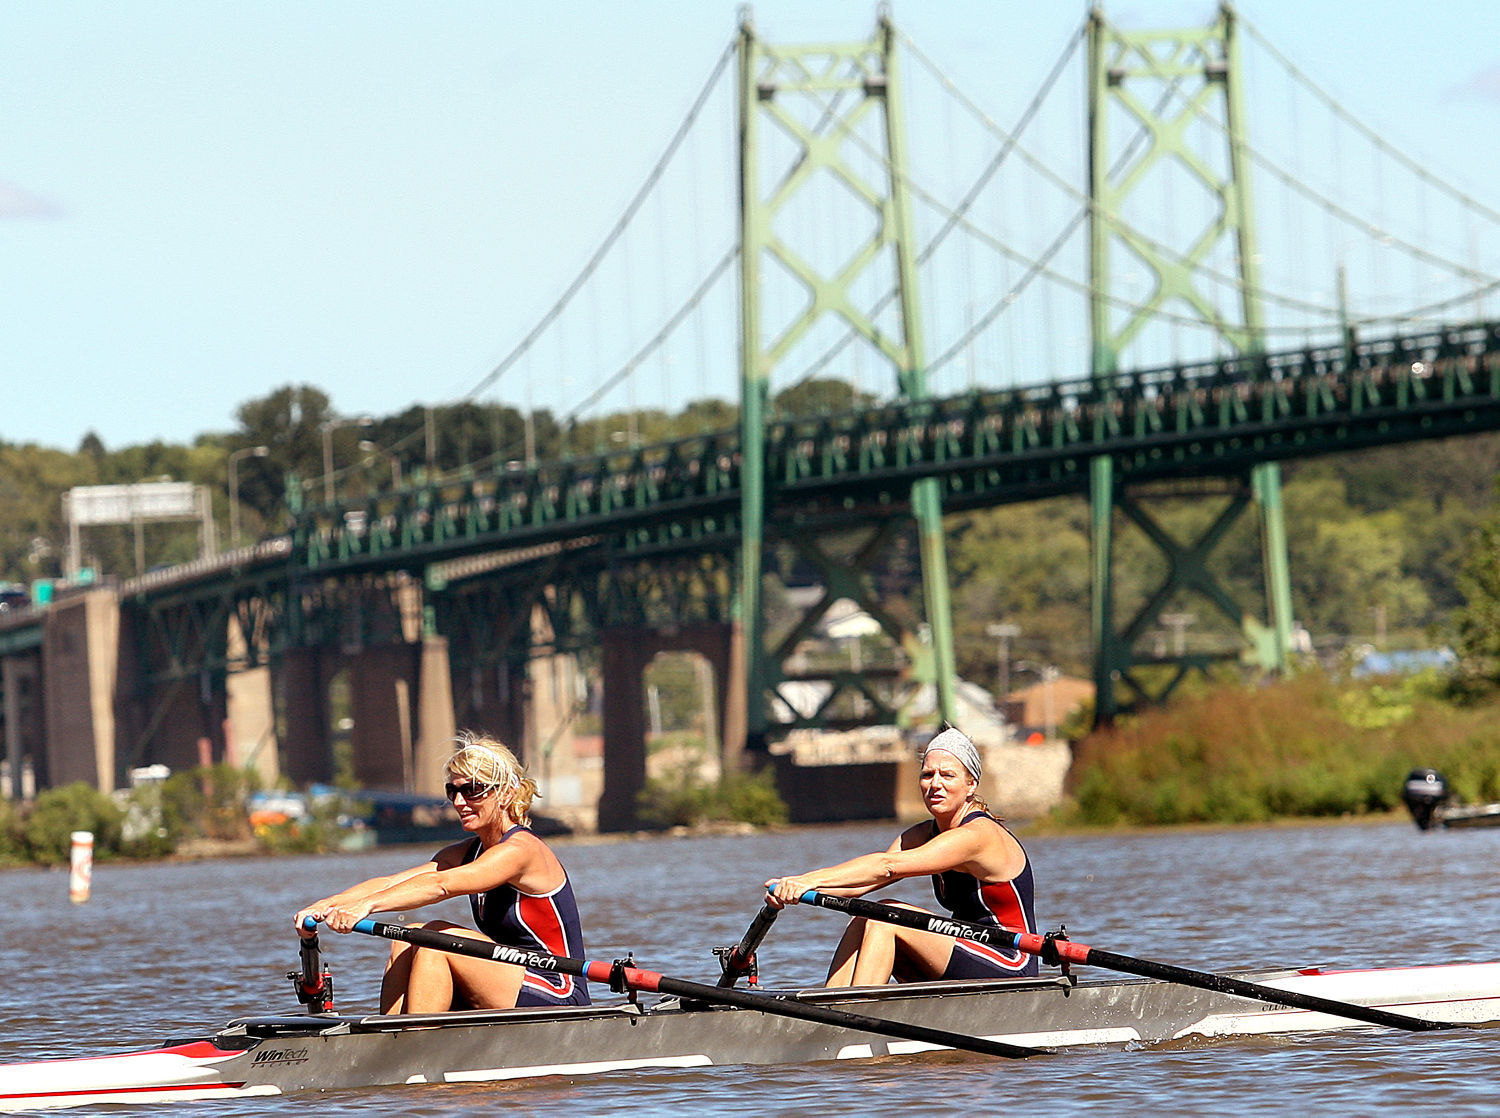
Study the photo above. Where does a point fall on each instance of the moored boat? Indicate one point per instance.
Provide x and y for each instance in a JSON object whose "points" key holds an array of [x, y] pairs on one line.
{"points": [[300, 1051], [1431, 803]]}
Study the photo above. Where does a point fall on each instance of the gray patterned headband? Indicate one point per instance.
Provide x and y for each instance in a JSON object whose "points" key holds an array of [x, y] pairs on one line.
{"points": [[957, 743]]}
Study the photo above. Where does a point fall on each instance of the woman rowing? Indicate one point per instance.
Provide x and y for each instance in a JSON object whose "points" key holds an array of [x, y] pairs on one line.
{"points": [[979, 872], [518, 891]]}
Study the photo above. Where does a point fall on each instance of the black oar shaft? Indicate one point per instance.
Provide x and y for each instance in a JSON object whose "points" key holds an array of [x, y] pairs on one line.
{"points": [[696, 991], [1290, 998], [1055, 949]]}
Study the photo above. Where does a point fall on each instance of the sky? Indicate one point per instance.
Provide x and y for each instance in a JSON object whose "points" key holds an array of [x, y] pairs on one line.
{"points": [[204, 200]]}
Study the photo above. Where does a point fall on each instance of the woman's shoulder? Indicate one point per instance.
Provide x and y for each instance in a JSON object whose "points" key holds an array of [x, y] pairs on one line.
{"points": [[454, 854], [518, 839], [916, 834], [980, 815]]}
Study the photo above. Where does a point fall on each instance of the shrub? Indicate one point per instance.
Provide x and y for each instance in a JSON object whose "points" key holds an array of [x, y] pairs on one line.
{"points": [[207, 803], [681, 800], [12, 837], [1304, 747], [58, 812], [316, 833]]}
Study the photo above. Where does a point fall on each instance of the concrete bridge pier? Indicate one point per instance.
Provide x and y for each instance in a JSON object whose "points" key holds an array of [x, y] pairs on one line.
{"points": [[300, 676], [627, 650], [400, 703], [492, 699], [382, 702], [80, 656], [435, 729], [250, 724]]}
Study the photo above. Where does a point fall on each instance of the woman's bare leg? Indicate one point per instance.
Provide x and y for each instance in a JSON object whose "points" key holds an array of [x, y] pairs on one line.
{"points": [[872, 953], [421, 980], [846, 954], [397, 978]]}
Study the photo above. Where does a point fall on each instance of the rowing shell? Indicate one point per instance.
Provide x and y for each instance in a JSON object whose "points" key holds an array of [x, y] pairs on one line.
{"points": [[296, 1052]]}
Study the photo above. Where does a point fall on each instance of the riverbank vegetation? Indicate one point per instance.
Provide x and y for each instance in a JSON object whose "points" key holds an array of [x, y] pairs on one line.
{"points": [[199, 807], [1306, 747], [1222, 752], [681, 799]]}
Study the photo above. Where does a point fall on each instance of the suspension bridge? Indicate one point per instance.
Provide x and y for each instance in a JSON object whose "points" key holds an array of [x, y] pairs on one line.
{"points": [[1183, 264]]}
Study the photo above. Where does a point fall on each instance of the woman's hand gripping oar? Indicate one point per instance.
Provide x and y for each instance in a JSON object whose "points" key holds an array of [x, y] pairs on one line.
{"points": [[621, 977], [1053, 950]]}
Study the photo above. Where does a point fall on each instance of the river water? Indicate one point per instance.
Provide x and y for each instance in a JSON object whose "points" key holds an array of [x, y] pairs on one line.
{"points": [[172, 950]]}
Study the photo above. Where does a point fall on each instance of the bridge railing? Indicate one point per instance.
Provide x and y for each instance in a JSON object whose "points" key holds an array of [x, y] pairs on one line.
{"points": [[1285, 404]]}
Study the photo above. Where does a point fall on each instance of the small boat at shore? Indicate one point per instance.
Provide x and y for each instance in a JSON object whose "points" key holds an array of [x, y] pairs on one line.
{"points": [[314, 1048], [1432, 804]]}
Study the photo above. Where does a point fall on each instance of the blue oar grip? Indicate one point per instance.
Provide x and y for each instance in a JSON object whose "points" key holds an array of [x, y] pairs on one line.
{"points": [[366, 925], [810, 896], [309, 924]]}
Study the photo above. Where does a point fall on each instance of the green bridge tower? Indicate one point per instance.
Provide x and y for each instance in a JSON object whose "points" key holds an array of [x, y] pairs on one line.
{"points": [[1165, 84], [832, 114]]}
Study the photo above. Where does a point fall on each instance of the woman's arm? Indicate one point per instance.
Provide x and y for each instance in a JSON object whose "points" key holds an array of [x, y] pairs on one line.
{"points": [[511, 862], [911, 855]]}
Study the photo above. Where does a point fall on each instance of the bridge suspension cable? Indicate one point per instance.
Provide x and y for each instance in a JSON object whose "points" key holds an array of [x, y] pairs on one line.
{"points": [[1369, 133], [1038, 263], [971, 196], [616, 231], [1037, 266], [1090, 206], [1331, 315], [1385, 237]]}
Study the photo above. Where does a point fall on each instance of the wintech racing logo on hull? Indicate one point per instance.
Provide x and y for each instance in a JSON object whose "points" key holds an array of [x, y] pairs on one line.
{"points": [[280, 1056], [958, 931]]}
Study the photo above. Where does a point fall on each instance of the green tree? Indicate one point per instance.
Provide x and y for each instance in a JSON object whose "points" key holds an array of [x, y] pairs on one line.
{"points": [[58, 812], [288, 422], [1026, 565], [818, 396], [1477, 623]]}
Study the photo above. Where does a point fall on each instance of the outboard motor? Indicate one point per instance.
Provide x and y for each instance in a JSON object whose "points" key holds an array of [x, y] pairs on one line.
{"points": [[1424, 792]]}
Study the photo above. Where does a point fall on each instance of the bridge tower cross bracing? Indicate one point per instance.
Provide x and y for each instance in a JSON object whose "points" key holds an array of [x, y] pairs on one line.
{"points": [[846, 82], [1193, 73]]}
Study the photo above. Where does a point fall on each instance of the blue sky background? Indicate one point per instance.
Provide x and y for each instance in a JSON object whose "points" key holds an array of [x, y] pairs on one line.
{"points": [[203, 200]]}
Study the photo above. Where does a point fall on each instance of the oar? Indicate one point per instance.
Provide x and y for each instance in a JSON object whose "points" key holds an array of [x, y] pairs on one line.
{"points": [[313, 984], [741, 957], [1052, 949], [619, 976]]}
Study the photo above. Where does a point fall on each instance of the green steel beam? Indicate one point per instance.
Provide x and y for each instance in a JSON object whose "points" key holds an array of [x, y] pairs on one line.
{"points": [[755, 379]]}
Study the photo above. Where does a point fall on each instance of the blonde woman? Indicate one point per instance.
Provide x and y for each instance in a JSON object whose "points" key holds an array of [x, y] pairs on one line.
{"points": [[518, 891], [979, 872]]}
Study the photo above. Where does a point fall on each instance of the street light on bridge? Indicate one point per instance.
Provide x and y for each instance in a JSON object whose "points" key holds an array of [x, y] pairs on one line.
{"points": [[328, 427], [1004, 632], [234, 487], [392, 459]]}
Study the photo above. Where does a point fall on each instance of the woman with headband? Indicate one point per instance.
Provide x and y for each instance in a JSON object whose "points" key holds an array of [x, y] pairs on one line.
{"points": [[979, 873], [518, 892]]}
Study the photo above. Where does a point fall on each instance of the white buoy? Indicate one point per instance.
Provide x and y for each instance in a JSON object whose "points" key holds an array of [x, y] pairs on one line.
{"points": [[80, 879]]}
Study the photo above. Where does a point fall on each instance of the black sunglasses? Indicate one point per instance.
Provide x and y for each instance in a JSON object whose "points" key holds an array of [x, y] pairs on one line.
{"points": [[471, 791]]}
